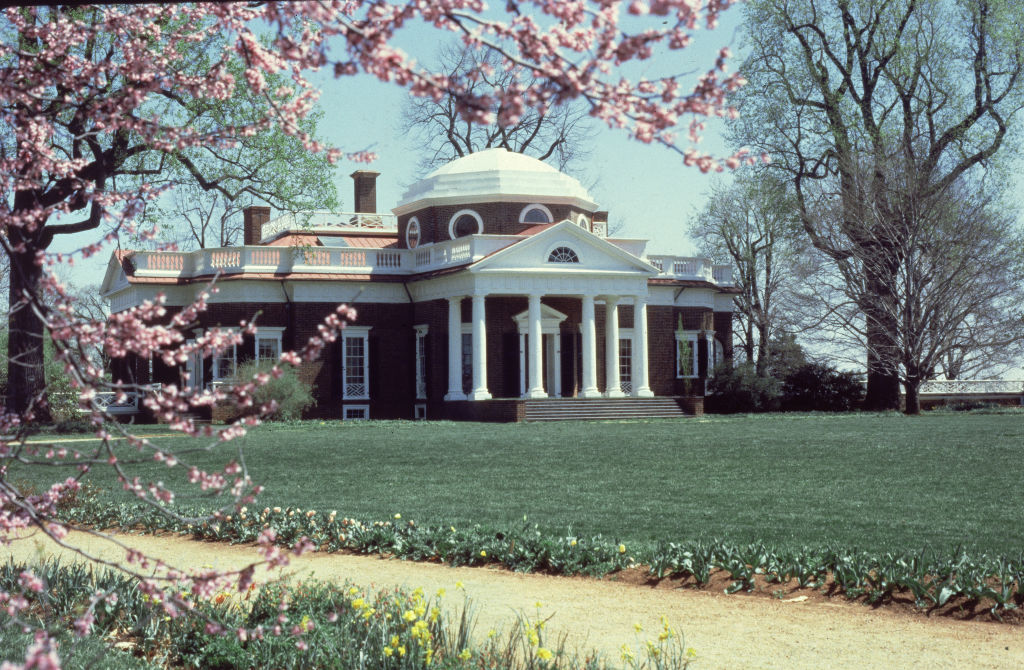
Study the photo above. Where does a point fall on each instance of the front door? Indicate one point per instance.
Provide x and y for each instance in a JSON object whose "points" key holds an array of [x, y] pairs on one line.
{"points": [[551, 365]]}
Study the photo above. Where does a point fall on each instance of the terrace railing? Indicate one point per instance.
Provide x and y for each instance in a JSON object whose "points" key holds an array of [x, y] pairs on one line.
{"points": [[972, 387], [700, 269]]}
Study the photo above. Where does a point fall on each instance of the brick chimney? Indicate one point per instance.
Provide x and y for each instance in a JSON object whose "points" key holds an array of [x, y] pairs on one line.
{"points": [[365, 191], [253, 219]]}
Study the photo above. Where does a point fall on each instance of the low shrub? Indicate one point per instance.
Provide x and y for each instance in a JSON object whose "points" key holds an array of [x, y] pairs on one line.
{"points": [[292, 395], [732, 390], [820, 387]]}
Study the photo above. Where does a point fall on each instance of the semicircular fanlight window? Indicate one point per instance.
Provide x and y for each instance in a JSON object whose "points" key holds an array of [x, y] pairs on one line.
{"points": [[563, 255]]}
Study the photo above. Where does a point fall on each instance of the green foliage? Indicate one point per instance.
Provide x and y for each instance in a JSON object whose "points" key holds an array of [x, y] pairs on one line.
{"points": [[820, 387], [310, 624], [739, 389], [292, 395]]}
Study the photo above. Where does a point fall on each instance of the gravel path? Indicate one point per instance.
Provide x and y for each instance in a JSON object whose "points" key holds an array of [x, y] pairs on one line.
{"points": [[726, 631]]}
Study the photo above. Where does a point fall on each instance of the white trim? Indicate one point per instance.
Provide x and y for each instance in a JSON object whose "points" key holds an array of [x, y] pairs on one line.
{"points": [[365, 409], [691, 336], [526, 210], [354, 333], [419, 411], [459, 214], [413, 223]]}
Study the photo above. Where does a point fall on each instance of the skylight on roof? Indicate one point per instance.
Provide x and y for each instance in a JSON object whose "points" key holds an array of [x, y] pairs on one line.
{"points": [[333, 241]]}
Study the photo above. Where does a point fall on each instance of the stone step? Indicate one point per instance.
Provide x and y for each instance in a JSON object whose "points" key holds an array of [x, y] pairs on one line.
{"points": [[601, 408]]}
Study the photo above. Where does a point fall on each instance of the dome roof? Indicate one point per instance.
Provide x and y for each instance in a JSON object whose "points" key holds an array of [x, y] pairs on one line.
{"points": [[494, 175]]}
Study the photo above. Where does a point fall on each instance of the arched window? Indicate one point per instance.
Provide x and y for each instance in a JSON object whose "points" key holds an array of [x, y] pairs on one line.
{"points": [[465, 222], [412, 233], [583, 223], [536, 213], [563, 255]]}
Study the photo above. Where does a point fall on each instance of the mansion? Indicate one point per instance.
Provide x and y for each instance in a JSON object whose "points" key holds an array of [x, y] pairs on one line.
{"points": [[491, 292]]}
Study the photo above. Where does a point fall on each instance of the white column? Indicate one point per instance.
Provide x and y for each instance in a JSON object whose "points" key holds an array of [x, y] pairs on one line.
{"points": [[641, 377], [480, 391], [455, 350], [613, 386], [590, 389], [536, 343]]}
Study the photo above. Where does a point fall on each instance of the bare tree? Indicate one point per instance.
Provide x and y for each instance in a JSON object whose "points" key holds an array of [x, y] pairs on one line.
{"points": [[560, 134], [752, 224], [849, 96], [956, 282]]}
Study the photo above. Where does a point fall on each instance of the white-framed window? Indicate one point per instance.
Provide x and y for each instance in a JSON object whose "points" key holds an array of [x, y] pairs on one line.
{"points": [[583, 222], [421, 362], [626, 364], [419, 411], [536, 213], [716, 351], [268, 344], [355, 412], [686, 354], [412, 233], [465, 222], [563, 255], [224, 364], [355, 362]]}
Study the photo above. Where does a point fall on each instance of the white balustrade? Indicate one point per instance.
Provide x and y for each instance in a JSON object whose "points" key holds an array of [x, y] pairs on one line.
{"points": [[970, 386]]}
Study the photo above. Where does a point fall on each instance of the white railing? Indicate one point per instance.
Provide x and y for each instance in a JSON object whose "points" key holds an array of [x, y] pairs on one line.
{"points": [[108, 401], [971, 386], [330, 222], [700, 269], [458, 252]]}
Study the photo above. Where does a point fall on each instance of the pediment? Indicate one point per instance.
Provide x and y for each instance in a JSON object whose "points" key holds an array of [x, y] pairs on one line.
{"points": [[114, 278], [564, 248]]}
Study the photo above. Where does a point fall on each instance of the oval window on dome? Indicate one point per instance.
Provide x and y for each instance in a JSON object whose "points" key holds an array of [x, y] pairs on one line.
{"points": [[465, 222], [563, 255], [412, 233], [536, 214]]}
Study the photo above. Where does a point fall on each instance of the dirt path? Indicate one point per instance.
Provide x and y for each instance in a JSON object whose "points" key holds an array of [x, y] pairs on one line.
{"points": [[726, 631]]}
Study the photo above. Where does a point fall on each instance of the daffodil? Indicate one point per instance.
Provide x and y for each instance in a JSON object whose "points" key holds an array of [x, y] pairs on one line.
{"points": [[544, 654], [465, 654], [622, 548]]}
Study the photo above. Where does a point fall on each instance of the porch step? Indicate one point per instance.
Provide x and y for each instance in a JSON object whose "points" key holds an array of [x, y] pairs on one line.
{"points": [[568, 409]]}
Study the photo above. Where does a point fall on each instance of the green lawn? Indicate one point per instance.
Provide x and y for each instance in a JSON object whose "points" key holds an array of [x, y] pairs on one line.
{"points": [[862, 481]]}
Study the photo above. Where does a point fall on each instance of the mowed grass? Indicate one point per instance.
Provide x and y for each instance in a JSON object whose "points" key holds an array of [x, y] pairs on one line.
{"points": [[875, 482]]}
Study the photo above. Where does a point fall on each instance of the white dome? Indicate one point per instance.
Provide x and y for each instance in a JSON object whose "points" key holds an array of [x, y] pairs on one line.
{"points": [[495, 175]]}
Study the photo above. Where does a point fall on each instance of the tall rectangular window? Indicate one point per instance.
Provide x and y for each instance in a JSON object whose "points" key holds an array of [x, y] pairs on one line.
{"points": [[224, 364], [686, 354], [626, 365], [467, 363], [355, 363], [268, 348], [421, 362]]}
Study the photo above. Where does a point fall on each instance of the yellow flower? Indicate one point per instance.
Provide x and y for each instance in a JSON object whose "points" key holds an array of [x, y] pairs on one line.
{"points": [[458, 585], [622, 548], [573, 543], [627, 653], [394, 640], [401, 650], [398, 516], [388, 651], [453, 528], [465, 654], [409, 615], [637, 627], [534, 638], [353, 591], [691, 652], [483, 554], [491, 633], [544, 654], [358, 603], [440, 593]]}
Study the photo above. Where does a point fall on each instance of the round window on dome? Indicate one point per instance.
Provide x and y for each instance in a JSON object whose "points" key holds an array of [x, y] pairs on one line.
{"points": [[536, 214], [412, 233], [465, 222]]}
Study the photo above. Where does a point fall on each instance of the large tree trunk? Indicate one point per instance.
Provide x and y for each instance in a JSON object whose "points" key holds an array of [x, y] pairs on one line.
{"points": [[763, 351], [883, 391], [26, 382], [913, 399]]}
